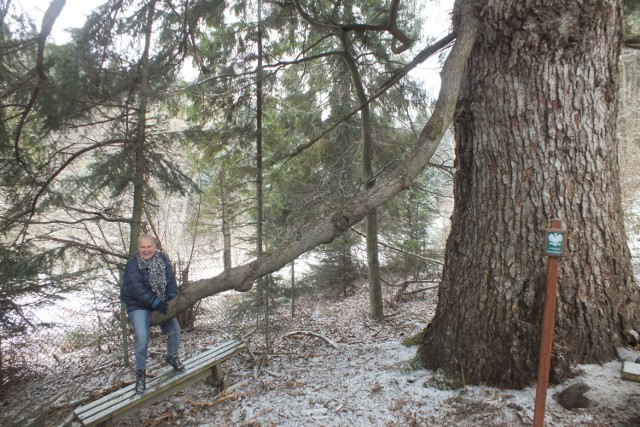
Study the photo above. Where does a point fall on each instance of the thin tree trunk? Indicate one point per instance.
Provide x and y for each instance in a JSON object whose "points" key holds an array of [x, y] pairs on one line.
{"points": [[139, 182], [187, 318], [263, 285], [535, 140], [261, 294], [259, 168], [376, 310], [2, 362], [293, 290], [226, 229]]}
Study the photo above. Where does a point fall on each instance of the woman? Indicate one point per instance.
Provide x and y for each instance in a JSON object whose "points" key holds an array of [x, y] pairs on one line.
{"points": [[149, 284]]}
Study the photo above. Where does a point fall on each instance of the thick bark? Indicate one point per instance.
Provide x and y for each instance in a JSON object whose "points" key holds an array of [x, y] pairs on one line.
{"points": [[535, 139], [329, 228]]}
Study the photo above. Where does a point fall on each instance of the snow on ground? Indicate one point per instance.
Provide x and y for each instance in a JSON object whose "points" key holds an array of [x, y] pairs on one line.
{"points": [[354, 372]]}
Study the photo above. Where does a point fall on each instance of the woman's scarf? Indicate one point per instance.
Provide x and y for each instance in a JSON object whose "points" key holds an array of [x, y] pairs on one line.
{"points": [[157, 275]]}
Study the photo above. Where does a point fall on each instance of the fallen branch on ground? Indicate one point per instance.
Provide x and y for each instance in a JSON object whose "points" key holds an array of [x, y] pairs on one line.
{"points": [[313, 334], [160, 420]]}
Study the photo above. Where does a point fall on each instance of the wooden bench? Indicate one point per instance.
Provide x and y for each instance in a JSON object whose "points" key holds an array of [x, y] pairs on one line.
{"points": [[124, 402]]}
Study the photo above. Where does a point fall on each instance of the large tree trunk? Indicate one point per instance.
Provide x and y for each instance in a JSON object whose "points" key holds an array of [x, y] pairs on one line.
{"points": [[535, 139]]}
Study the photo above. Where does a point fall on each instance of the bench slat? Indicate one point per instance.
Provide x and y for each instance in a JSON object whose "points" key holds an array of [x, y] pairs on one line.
{"points": [[124, 402], [207, 354], [189, 363]]}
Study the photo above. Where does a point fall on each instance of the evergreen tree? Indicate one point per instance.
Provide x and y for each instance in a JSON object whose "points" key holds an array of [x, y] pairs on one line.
{"points": [[84, 138]]}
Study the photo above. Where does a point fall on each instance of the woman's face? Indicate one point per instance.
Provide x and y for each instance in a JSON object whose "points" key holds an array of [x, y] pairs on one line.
{"points": [[146, 248]]}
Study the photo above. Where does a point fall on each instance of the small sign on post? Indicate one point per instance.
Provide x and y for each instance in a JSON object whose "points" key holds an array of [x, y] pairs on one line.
{"points": [[555, 244]]}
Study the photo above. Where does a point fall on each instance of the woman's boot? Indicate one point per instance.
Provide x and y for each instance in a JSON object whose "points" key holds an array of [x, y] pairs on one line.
{"points": [[141, 381]]}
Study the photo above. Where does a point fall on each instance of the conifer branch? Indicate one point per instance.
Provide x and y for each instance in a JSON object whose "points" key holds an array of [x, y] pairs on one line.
{"points": [[77, 244], [420, 57], [48, 20]]}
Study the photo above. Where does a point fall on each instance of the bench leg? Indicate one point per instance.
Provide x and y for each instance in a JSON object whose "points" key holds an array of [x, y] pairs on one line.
{"points": [[216, 379]]}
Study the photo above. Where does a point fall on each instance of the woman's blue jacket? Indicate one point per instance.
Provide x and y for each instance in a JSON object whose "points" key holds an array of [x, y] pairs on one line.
{"points": [[136, 292]]}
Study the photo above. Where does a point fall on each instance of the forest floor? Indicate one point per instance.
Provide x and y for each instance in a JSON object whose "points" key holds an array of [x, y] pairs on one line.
{"points": [[355, 372]]}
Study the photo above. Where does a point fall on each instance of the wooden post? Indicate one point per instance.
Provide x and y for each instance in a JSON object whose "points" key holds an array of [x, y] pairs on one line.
{"points": [[216, 379], [555, 244]]}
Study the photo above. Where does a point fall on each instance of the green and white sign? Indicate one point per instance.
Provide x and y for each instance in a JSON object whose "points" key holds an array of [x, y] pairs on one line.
{"points": [[555, 243]]}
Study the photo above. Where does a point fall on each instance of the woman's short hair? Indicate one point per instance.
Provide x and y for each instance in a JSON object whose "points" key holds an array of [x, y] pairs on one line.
{"points": [[147, 236]]}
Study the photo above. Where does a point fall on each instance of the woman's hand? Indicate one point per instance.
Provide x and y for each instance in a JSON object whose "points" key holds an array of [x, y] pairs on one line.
{"points": [[163, 307]]}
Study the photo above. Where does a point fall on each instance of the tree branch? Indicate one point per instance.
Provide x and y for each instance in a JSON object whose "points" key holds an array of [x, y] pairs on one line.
{"points": [[82, 245], [632, 42], [48, 20], [103, 215], [420, 57], [402, 251], [43, 188], [323, 28], [347, 215], [390, 26], [314, 334]]}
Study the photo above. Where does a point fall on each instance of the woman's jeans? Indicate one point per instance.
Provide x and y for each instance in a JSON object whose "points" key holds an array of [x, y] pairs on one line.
{"points": [[140, 321]]}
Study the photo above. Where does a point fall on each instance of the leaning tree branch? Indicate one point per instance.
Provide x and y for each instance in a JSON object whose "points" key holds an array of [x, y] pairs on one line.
{"points": [[50, 17], [347, 215], [398, 35]]}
